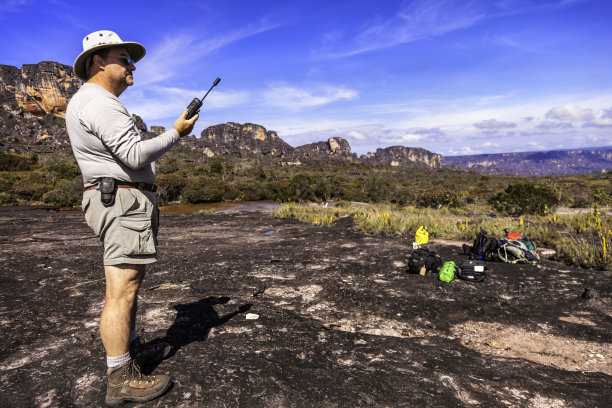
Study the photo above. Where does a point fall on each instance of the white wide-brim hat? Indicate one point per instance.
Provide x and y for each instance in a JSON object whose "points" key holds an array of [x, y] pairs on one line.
{"points": [[104, 39]]}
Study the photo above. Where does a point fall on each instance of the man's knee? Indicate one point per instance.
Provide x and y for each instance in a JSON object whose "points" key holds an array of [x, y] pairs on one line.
{"points": [[123, 281]]}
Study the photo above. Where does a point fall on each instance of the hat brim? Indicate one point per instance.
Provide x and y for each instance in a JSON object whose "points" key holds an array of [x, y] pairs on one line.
{"points": [[136, 51]]}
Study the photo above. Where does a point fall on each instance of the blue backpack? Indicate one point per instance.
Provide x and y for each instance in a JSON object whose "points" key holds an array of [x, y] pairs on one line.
{"points": [[517, 251]]}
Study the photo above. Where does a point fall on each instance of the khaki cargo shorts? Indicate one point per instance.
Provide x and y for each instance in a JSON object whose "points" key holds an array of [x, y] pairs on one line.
{"points": [[128, 229]]}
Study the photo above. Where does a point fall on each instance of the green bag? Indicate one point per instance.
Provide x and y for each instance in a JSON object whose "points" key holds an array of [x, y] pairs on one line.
{"points": [[447, 272]]}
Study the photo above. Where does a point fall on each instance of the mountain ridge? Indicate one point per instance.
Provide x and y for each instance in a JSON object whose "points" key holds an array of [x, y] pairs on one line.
{"points": [[537, 163], [33, 101]]}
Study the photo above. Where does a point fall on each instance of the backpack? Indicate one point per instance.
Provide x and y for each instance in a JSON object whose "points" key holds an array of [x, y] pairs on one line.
{"points": [[420, 237], [517, 251], [422, 261], [472, 270], [484, 247], [448, 271]]}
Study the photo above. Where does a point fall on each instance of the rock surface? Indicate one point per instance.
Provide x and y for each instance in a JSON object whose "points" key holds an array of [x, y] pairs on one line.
{"points": [[402, 156], [335, 147], [273, 313]]}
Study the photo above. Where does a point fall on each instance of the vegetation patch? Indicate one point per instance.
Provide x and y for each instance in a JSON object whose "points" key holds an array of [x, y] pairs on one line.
{"points": [[581, 240]]}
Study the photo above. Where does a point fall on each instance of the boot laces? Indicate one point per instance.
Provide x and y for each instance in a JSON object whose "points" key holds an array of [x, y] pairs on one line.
{"points": [[134, 374]]}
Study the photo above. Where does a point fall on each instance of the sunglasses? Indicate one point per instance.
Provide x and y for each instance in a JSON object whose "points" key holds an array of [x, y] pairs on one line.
{"points": [[125, 60]]}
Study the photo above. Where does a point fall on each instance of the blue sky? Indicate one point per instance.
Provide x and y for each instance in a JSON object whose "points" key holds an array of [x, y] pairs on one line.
{"points": [[453, 77]]}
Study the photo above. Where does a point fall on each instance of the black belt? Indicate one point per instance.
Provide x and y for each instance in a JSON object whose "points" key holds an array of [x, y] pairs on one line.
{"points": [[125, 184]]}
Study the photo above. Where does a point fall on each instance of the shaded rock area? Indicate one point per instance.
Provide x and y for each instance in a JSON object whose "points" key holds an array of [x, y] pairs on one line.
{"points": [[273, 313]]}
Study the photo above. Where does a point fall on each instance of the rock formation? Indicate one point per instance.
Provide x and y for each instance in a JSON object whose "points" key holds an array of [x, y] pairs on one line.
{"points": [[336, 147], [404, 156], [33, 103], [242, 140]]}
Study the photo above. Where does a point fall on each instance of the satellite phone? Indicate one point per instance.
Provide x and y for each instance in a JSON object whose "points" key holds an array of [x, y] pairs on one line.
{"points": [[196, 104]]}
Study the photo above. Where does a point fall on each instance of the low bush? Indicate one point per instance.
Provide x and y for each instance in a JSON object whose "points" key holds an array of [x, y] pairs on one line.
{"points": [[435, 198], [525, 198], [68, 193], [170, 187], [15, 162], [203, 189]]}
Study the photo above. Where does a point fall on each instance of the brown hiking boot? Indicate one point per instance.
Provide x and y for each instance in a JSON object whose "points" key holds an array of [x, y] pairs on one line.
{"points": [[127, 383], [147, 353]]}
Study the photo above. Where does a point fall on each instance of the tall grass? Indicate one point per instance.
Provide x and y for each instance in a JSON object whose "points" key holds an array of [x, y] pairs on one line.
{"points": [[580, 239]]}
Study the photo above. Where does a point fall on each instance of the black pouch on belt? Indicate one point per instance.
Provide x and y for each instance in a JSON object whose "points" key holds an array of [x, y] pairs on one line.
{"points": [[108, 189]]}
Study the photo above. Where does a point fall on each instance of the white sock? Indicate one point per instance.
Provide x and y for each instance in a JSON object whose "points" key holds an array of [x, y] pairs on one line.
{"points": [[133, 336], [113, 362]]}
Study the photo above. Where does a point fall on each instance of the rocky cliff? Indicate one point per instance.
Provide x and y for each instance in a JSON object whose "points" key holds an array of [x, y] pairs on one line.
{"points": [[595, 160], [244, 140], [33, 103], [335, 147], [404, 156]]}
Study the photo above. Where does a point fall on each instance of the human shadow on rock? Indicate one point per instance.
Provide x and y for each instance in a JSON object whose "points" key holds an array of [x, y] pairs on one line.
{"points": [[194, 321]]}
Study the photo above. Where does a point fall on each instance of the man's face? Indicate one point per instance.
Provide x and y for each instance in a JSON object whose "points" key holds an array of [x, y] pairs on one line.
{"points": [[119, 67]]}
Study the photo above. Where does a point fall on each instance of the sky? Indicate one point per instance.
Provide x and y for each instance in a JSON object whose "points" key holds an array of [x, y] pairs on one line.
{"points": [[453, 77]]}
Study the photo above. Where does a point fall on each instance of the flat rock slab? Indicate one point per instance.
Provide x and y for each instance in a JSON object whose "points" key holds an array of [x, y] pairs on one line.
{"points": [[264, 312]]}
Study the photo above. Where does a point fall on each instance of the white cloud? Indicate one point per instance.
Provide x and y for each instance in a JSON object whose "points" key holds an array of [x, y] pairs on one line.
{"points": [[494, 124], [569, 112], [160, 102], [354, 134], [295, 99], [603, 119], [547, 124], [182, 51], [421, 19], [415, 20]]}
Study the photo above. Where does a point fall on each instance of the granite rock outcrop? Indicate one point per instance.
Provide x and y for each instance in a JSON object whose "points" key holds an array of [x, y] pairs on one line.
{"points": [[404, 156]]}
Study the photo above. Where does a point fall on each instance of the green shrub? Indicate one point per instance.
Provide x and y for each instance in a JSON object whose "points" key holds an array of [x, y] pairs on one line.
{"points": [[31, 186], [216, 166], [63, 170], [67, 193], [525, 198], [250, 191], [14, 162], [435, 198], [601, 197], [7, 199], [170, 187], [203, 190]]}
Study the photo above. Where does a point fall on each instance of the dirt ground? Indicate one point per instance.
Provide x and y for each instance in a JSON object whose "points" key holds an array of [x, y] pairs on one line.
{"points": [[264, 312]]}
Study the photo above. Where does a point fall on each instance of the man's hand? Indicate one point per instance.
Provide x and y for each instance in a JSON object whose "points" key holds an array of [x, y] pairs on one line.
{"points": [[184, 126]]}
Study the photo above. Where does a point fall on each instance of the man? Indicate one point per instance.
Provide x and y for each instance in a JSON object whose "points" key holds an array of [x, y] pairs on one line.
{"points": [[119, 202]]}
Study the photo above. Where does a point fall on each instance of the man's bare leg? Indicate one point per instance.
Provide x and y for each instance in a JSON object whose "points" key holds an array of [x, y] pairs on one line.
{"points": [[125, 381], [118, 315]]}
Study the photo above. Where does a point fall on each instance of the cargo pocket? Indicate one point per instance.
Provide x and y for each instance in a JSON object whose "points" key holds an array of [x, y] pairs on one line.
{"points": [[137, 236]]}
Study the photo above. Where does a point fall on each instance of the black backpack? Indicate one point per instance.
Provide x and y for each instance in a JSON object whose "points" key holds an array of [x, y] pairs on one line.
{"points": [[422, 261], [484, 247], [472, 270]]}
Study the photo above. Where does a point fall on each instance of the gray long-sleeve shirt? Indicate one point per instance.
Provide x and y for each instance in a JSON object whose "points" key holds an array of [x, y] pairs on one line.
{"points": [[105, 141]]}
